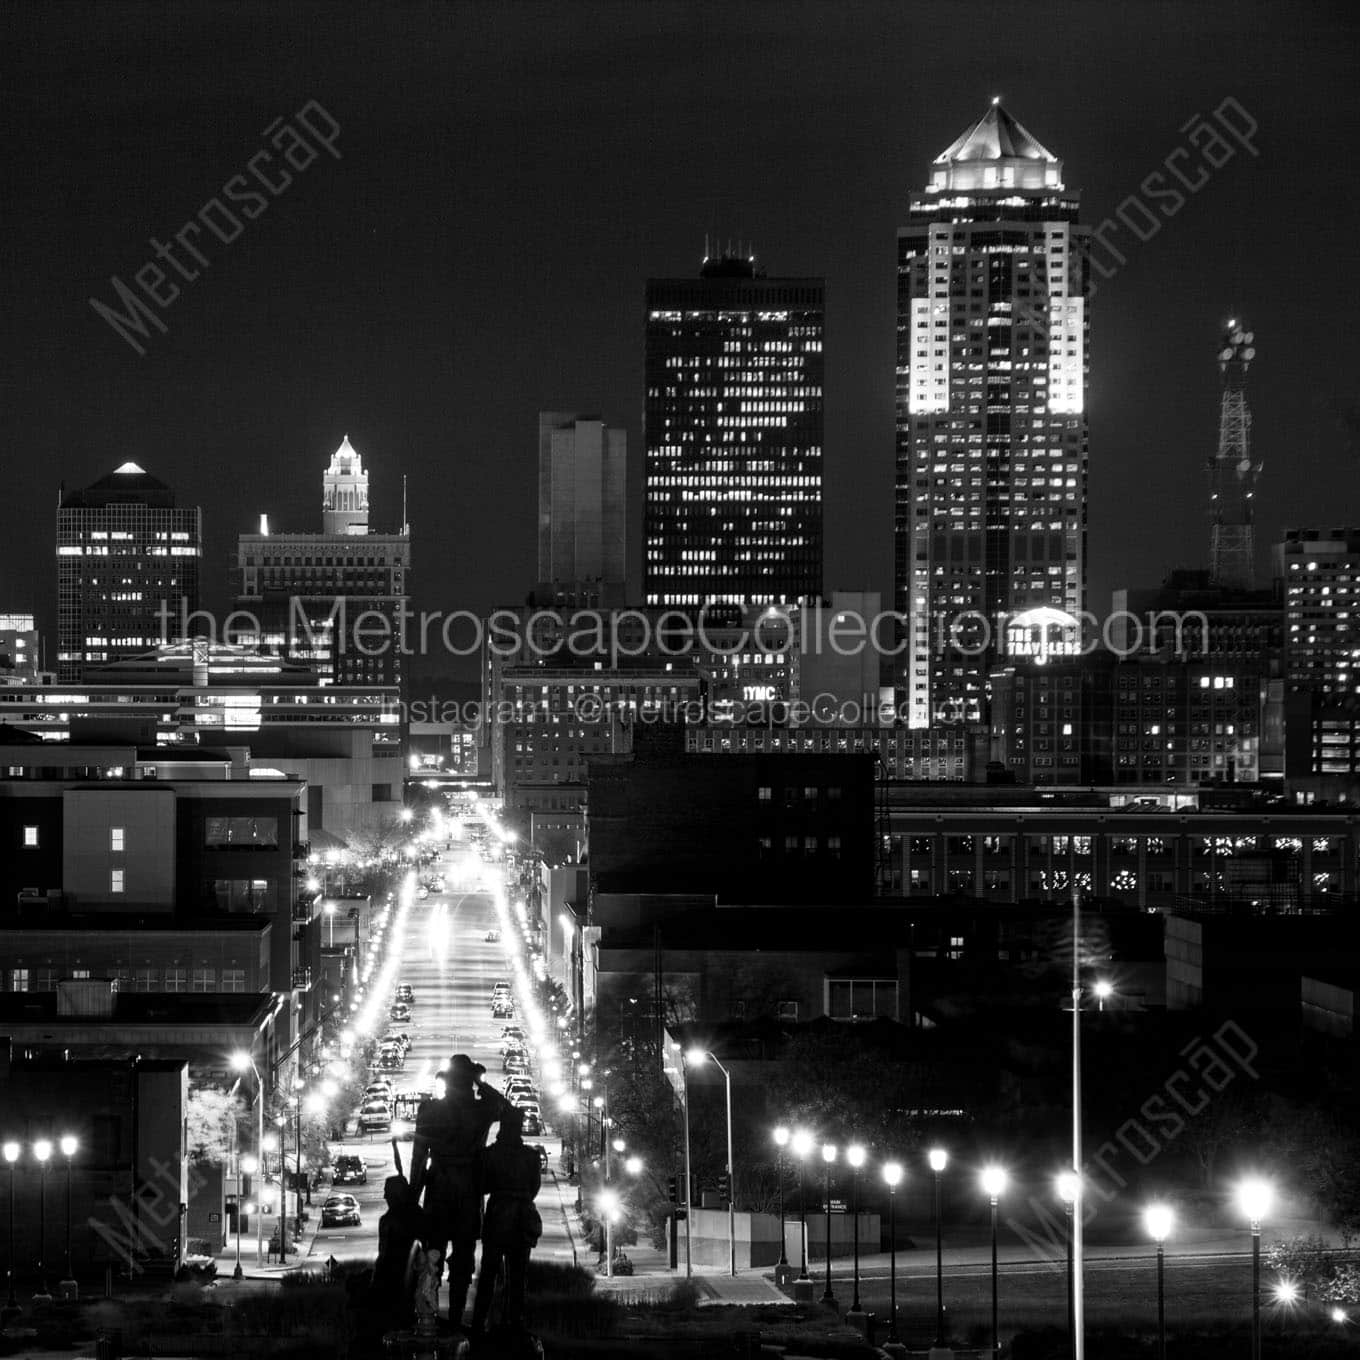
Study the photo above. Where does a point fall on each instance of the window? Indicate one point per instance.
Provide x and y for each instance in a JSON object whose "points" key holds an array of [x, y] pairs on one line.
{"points": [[145, 979], [115, 880], [30, 838], [174, 979], [233, 979], [116, 838], [861, 998], [788, 1010], [765, 793], [204, 980], [18, 979], [241, 833], [810, 793], [250, 896]]}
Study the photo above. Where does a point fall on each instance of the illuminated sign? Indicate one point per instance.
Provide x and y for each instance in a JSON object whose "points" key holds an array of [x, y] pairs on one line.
{"points": [[1041, 633], [758, 694]]}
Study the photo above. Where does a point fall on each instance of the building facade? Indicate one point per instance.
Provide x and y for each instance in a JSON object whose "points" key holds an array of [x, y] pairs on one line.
{"points": [[992, 358], [582, 510], [733, 431], [336, 600], [127, 569]]}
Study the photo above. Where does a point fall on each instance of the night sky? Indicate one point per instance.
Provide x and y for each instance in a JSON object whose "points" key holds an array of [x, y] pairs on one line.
{"points": [[511, 174]]}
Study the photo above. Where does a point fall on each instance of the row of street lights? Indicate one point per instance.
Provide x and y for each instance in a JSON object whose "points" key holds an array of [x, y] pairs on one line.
{"points": [[42, 1150], [1254, 1198]]}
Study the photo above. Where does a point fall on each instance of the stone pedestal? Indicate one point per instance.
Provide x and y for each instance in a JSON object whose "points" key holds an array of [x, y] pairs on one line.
{"points": [[802, 1291], [895, 1349], [941, 1353], [68, 1290], [785, 1275], [861, 1321]]}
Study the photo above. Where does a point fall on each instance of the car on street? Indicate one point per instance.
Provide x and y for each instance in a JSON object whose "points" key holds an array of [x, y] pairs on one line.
{"points": [[349, 1170], [423, 894], [340, 1211], [397, 1037], [520, 1086], [542, 1155], [392, 1062], [401, 1014], [404, 993], [493, 936], [532, 1125], [502, 1010]]}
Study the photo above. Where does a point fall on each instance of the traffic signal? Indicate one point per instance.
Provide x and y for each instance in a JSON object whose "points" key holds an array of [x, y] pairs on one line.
{"points": [[673, 1190], [724, 1186]]}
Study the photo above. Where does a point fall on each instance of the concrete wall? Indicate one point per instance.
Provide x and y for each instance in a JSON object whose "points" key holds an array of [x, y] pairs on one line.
{"points": [[146, 817]]}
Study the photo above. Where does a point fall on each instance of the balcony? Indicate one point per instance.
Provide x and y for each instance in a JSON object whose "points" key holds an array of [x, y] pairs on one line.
{"points": [[302, 979]]}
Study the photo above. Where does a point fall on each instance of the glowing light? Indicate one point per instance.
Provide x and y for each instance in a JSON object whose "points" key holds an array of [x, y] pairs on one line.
{"points": [[68, 1145], [994, 1181], [892, 1174], [855, 1155], [782, 1136], [1255, 1198], [1158, 1220], [939, 1159], [1069, 1186]]}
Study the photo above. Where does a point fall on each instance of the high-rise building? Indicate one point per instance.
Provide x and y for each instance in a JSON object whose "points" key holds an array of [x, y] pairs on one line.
{"points": [[733, 438], [1232, 471], [127, 569], [990, 513], [335, 600], [582, 509], [1319, 575]]}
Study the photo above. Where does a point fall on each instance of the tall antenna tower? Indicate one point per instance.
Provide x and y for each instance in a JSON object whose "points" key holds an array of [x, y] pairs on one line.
{"points": [[1232, 472]]}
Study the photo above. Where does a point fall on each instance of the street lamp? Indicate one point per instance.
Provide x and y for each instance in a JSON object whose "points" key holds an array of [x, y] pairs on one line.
{"points": [[1069, 1187], [1254, 1198], [828, 1157], [781, 1141], [609, 1207], [11, 1150], [1157, 1219], [68, 1147], [801, 1143], [939, 1159], [42, 1150], [892, 1173], [855, 1155], [248, 1164], [697, 1056], [633, 1166], [994, 1181], [1103, 989], [242, 1061]]}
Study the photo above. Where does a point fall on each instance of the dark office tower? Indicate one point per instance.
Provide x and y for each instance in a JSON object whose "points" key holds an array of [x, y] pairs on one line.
{"points": [[582, 510], [990, 514], [733, 437], [127, 570]]}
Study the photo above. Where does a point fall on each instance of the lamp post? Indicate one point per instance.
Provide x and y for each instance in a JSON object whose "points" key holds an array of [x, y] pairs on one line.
{"points": [[1254, 1199], [241, 1061], [42, 1151], [993, 1184], [1078, 1290], [330, 925], [1069, 1183], [11, 1151], [855, 1155], [248, 1164], [1157, 1218], [781, 1141], [68, 1147], [609, 1208], [1104, 989], [939, 1159], [828, 1158], [892, 1173], [698, 1056], [801, 1143]]}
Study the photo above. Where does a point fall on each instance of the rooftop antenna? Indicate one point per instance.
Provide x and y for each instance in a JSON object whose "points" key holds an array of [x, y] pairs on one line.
{"points": [[705, 247], [405, 523]]}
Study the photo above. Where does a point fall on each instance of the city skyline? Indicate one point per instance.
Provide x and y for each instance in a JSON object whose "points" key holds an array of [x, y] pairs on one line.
{"points": [[396, 365]]}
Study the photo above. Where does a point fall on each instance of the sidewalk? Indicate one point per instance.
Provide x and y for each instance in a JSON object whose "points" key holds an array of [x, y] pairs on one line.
{"points": [[298, 1256]]}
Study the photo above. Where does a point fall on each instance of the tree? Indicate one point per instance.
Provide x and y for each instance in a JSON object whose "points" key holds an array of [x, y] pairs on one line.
{"points": [[210, 1124]]}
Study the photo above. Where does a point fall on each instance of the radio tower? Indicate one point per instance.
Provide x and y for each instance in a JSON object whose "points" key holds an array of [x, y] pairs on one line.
{"points": [[1232, 473]]}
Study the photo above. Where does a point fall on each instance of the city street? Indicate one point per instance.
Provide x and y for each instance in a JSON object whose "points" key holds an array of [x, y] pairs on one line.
{"points": [[451, 968]]}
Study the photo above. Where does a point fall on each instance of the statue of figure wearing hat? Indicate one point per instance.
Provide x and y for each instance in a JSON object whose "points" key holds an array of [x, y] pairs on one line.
{"points": [[446, 1163]]}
